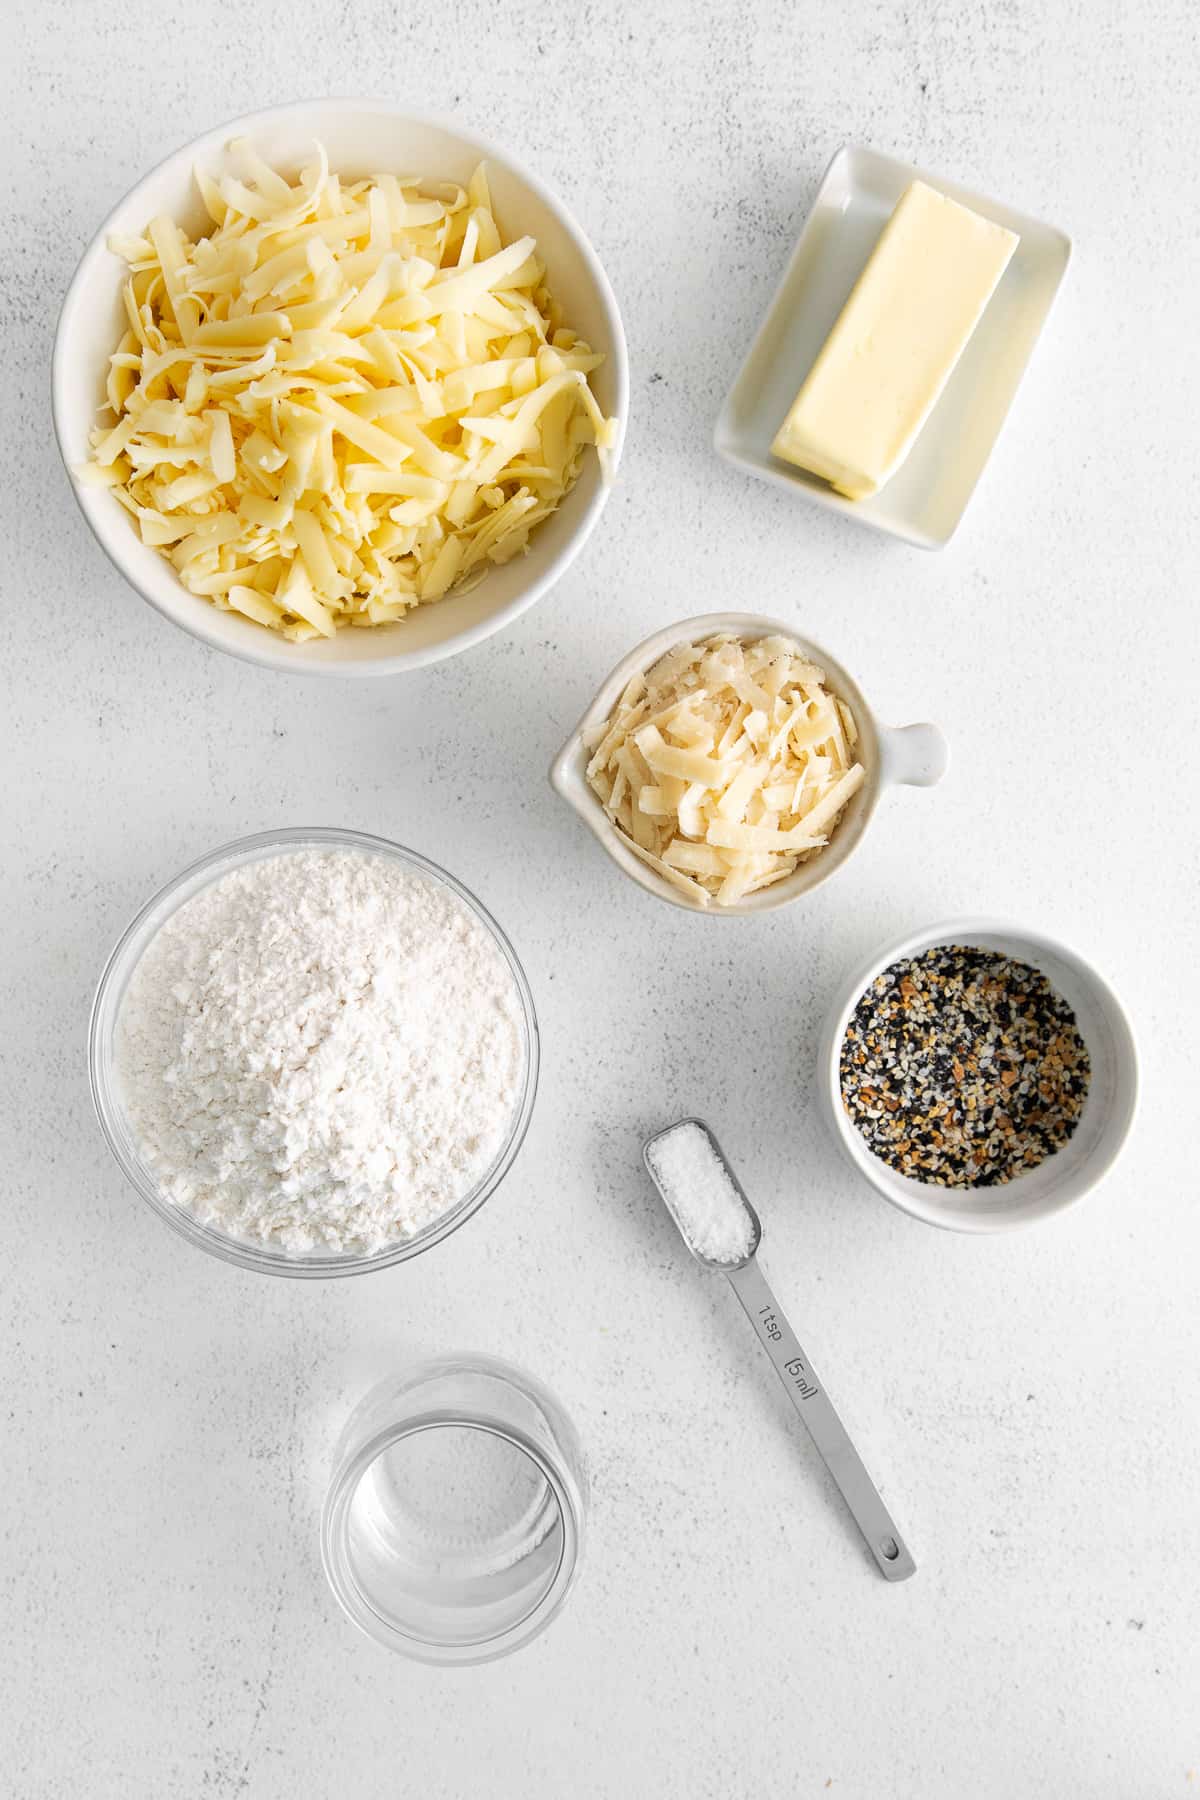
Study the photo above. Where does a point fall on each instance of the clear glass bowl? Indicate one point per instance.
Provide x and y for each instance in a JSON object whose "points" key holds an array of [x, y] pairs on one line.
{"points": [[106, 1093], [453, 1526]]}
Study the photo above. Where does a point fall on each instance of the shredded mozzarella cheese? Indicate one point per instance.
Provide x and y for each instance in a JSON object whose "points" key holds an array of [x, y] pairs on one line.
{"points": [[726, 765], [345, 400]]}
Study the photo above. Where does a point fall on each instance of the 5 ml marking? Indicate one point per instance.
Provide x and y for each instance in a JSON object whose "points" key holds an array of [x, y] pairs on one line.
{"points": [[795, 1366], [799, 1375]]}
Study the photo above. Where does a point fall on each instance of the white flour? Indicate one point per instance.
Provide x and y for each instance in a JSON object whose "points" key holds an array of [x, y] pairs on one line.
{"points": [[322, 1050], [704, 1203]]}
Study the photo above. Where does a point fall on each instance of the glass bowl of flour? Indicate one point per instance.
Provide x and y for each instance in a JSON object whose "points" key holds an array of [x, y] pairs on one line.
{"points": [[314, 1053]]}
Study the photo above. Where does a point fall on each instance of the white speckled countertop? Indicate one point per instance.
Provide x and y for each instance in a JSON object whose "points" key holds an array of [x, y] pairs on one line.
{"points": [[1030, 1404]]}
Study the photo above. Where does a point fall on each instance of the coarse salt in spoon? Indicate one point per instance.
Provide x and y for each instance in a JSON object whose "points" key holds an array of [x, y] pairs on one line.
{"points": [[722, 1231]]}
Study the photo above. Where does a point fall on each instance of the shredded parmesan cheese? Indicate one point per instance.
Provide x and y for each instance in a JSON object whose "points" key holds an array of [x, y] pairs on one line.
{"points": [[345, 400], [726, 765]]}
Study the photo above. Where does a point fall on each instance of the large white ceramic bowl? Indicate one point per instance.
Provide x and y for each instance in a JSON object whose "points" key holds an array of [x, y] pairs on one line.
{"points": [[913, 755], [362, 137], [1108, 1114]]}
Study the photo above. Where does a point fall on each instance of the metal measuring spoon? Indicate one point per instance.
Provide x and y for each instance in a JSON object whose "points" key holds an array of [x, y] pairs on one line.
{"points": [[791, 1365]]}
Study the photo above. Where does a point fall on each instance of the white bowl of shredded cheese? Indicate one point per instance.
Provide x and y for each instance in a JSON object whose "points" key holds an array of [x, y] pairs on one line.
{"points": [[374, 434], [719, 849]]}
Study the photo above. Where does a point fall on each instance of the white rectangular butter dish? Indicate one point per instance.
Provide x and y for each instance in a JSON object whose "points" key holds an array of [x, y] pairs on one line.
{"points": [[926, 497]]}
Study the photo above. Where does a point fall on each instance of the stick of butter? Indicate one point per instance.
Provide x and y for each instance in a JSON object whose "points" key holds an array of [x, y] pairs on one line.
{"points": [[896, 341]]}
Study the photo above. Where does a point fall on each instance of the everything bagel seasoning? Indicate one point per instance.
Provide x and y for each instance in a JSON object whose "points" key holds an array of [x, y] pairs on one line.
{"points": [[963, 1068]]}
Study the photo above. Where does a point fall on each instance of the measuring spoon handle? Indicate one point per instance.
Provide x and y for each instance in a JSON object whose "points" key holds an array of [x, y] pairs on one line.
{"points": [[822, 1423]]}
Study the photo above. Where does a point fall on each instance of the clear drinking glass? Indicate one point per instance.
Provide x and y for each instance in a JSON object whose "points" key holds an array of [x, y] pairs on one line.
{"points": [[453, 1526]]}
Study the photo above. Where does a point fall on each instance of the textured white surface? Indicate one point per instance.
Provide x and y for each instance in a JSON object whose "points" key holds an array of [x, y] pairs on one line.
{"points": [[1030, 1403]]}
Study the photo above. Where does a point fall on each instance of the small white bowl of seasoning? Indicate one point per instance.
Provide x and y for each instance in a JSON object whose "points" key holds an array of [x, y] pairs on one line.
{"points": [[1018, 1027], [910, 755]]}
